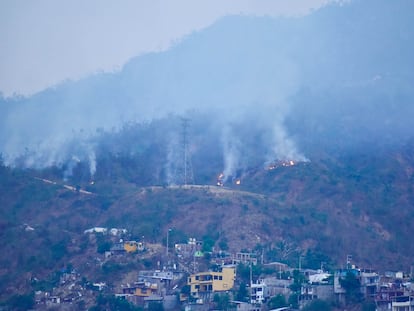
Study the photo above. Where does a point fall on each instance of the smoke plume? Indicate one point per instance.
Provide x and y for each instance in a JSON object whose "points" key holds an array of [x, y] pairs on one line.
{"points": [[275, 87]]}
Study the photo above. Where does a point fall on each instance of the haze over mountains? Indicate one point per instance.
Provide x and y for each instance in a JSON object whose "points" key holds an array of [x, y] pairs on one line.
{"points": [[312, 115], [335, 80]]}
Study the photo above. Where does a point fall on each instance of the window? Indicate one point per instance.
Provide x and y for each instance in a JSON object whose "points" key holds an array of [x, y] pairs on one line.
{"points": [[220, 278], [197, 277], [216, 277]]}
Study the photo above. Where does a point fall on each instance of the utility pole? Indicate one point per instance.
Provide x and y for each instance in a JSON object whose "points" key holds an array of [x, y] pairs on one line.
{"points": [[348, 261], [185, 126], [168, 235], [251, 282]]}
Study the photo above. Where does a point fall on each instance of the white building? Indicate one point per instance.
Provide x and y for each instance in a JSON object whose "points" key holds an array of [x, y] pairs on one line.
{"points": [[258, 292], [407, 305]]}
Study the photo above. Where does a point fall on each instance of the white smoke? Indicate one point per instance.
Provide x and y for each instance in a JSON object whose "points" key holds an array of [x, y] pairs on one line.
{"points": [[51, 128], [173, 160], [70, 165], [284, 148], [231, 153], [92, 163]]}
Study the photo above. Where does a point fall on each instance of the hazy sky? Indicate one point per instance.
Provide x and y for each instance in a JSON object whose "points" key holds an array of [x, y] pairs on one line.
{"points": [[44, 42]]}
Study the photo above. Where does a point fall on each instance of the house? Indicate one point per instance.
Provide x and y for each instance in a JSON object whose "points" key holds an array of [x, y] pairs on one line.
{"points": [[368, 283], [52, 300], [245, 306], [188, 249], [158, 275], [112, 231], [96, 230], [153, 299], [203, 282], [117, 231], [405, 303], [244, 258], [117, 248], [277, 286], [133, 246], [258, 292], [99, 286], [391, 291], [319, 278], [141, 289], [128, 247], [278, 266]]}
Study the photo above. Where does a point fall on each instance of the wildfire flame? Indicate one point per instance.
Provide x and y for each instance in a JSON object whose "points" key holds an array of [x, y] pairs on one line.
{"points": [[281, 163], [220, 180]]}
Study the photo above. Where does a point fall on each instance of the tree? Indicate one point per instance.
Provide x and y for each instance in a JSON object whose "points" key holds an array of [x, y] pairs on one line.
{"points": [[155, 306], [277, 301], [298, 280], [352, 287], [318, 305], [368, 306], [102, 244], [242, 293], [223, 244], [115, 303], [243, 270], [222, 301], [21, 302], [293, 300], [208, 244]]}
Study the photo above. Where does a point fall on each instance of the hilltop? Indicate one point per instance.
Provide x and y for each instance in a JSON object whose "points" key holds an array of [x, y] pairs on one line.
{"points": [[322, 210]]}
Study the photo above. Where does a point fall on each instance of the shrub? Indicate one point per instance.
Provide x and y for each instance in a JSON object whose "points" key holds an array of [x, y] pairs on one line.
{"points": [[318, 305]]}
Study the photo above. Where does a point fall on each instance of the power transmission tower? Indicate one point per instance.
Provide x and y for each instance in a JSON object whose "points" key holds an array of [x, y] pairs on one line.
{"points": [[185, 169]]}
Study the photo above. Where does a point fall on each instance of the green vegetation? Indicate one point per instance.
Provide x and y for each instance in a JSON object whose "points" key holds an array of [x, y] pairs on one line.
{"points": [[318, 305], [277, 301], [369, 306], [20, 302], [109, 302], [315, 211], [298, 280], [352, 287], [155, 306], [222, 301], [242, 294], [46, 284], [208, 243], [293, 300]]}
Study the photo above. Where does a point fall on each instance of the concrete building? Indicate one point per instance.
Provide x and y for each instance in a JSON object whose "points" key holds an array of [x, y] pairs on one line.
{"points": [[244, 258], [212, 281], [258, 292], [403, 304], [141, 289]]}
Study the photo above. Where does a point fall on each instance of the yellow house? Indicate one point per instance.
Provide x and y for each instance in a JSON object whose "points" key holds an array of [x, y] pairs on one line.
{"points": [[212, 281], [133, 246]]}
